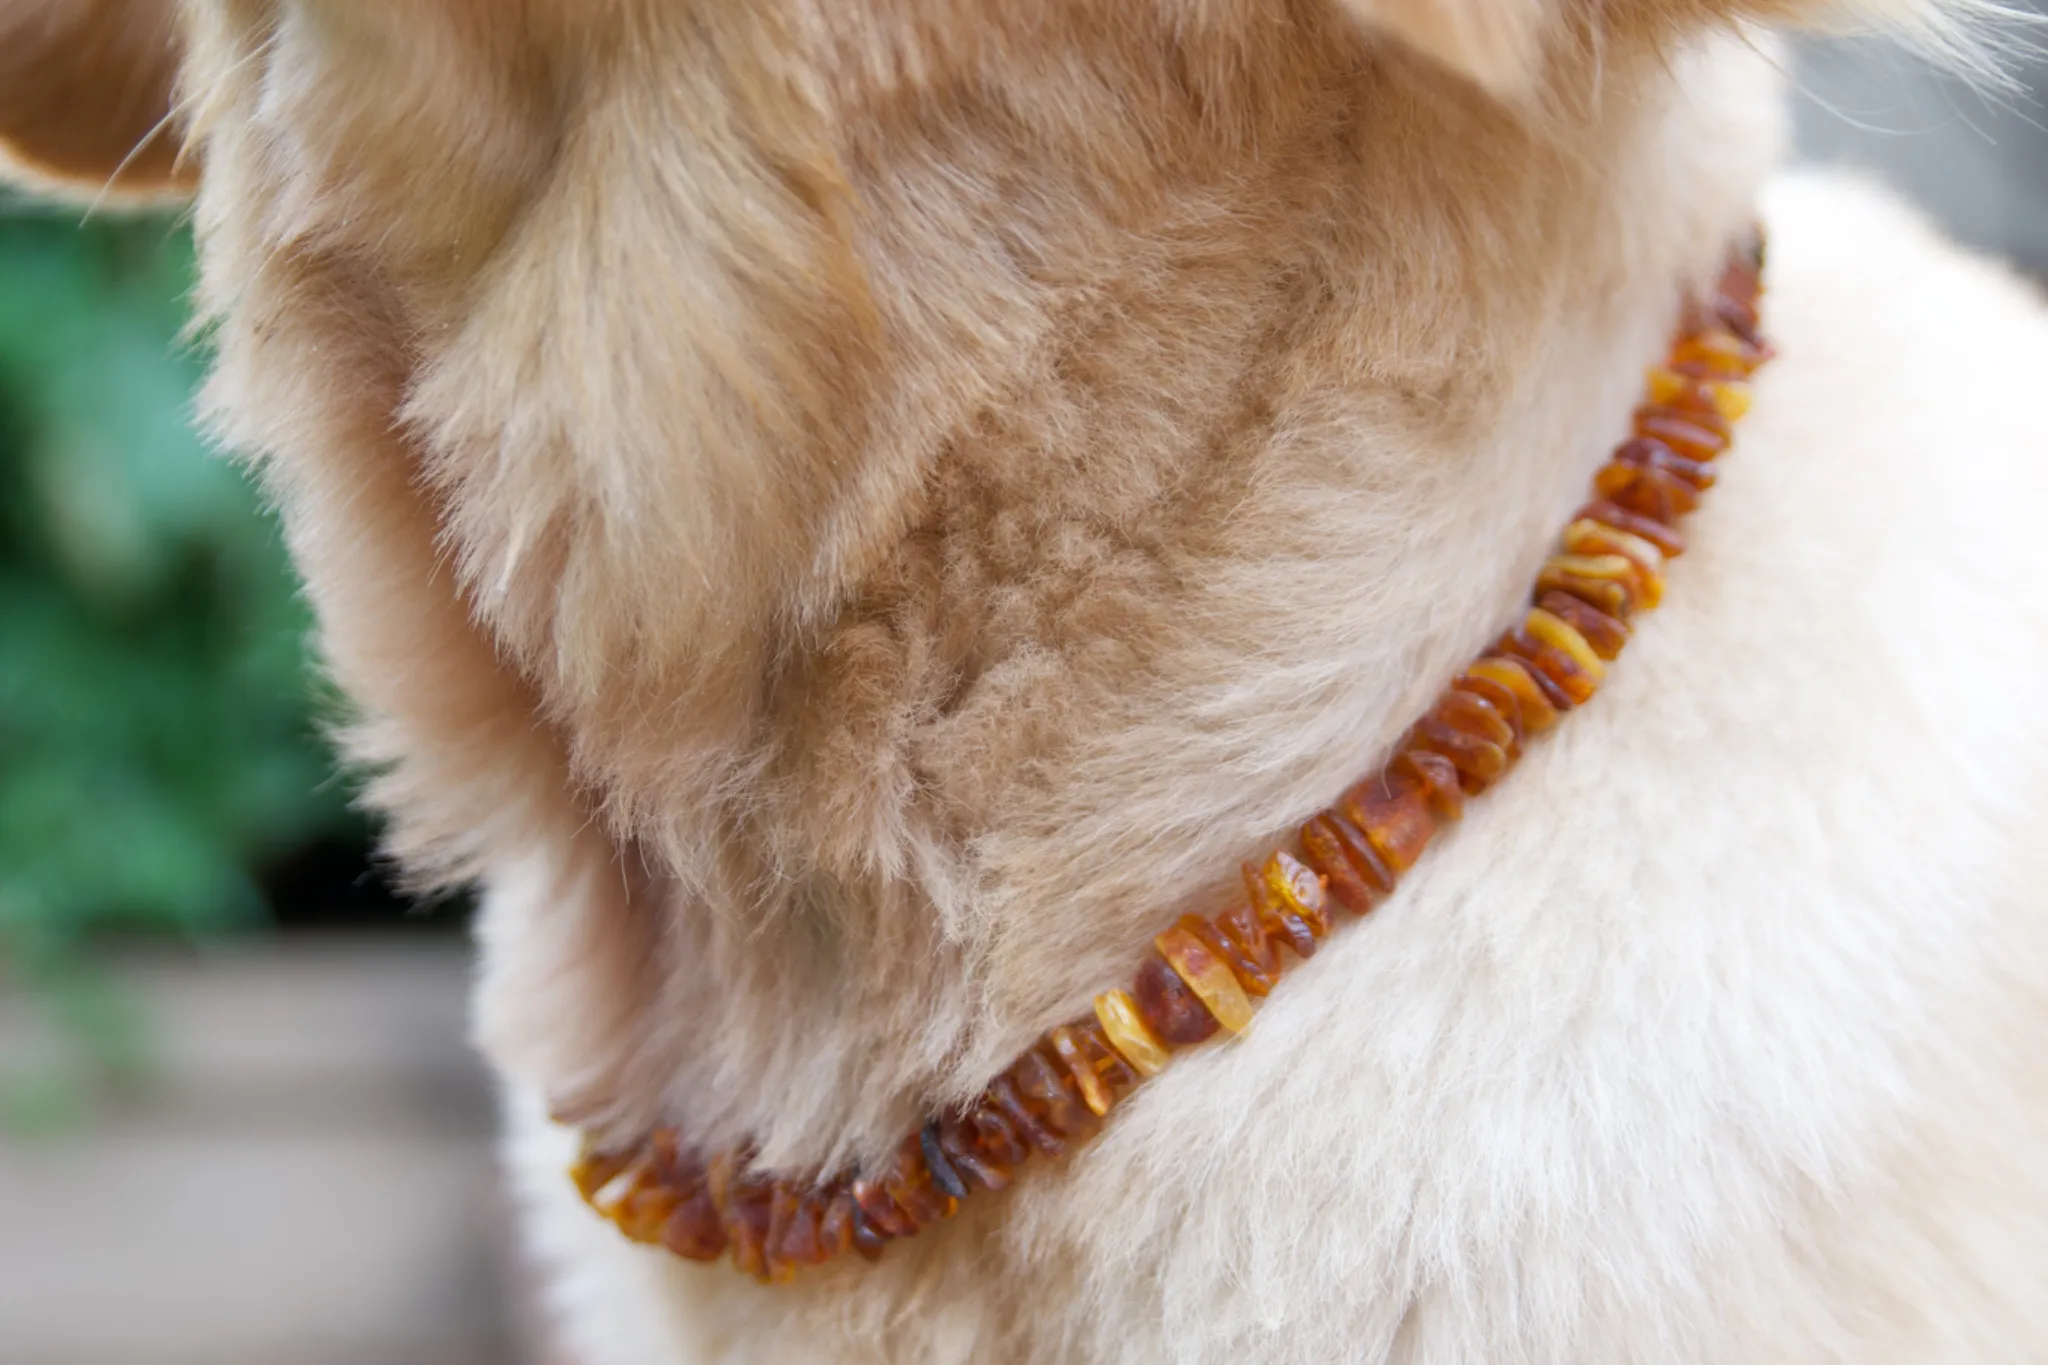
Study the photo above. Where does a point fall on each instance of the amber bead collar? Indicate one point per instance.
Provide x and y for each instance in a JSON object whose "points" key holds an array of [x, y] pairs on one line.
{"points": [[1202, 974]]}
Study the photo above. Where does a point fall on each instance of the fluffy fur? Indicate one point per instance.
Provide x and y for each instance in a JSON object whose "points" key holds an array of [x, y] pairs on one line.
{"points": [[846, 517]]}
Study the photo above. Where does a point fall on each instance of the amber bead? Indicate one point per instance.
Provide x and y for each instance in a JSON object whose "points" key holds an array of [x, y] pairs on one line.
{"points": [[1254, 961], [836, 1221], [1208, 975], [1357, 875], [1471, 734], [1020, 1119], [1653, 492], [1496, 695], [868, 1243], [880, 1209], [1097, 1070], [642, 1211], [1050, 1093], [1438, 777], [1535, 711], [1694, 389], [1717, 352], [1654, 454], [749, 1210], [1696, 435], [982, 1145], [1589, 539], [1297, 886], [593, 1170], [792, 1233], [1613, 582], [1174, 1013], [696, 1229], [910, 1183], [1605, 634], [1128, 1034], [1610, 514], [1554, 631], [1393, 813], [1279, 914]]}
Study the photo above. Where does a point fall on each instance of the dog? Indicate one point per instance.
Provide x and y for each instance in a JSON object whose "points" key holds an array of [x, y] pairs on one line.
{"points": [[844, 519]]}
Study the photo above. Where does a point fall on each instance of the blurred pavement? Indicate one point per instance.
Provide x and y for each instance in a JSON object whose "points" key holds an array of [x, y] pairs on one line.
{"points": [[307, 1180]]}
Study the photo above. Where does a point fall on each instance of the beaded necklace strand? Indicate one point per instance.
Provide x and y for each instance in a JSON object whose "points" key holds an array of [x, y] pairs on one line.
{"points": [[1204, 974]]}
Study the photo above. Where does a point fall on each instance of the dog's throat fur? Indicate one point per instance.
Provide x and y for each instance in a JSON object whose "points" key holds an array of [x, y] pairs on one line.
{"points": [[1202, 975]]}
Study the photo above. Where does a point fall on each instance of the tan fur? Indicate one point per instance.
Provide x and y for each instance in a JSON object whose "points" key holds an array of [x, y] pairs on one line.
{"points": [[846, 517], [85, 90]]}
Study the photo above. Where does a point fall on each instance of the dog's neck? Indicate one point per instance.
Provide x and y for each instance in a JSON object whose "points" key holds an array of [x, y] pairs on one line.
{"points": [[928, 593]]}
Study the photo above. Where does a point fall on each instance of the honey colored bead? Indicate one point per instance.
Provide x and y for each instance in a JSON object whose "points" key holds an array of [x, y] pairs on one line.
{"points": [[1725, 398], [1128, 1034], [1537, 713], [1207, 975], [1358, 876], [1477, 714], [1558, 634], [982, 1146], [937, 1165], [1110, 1064], [642, 1211], [1651, 492], [1173, 1012], [1469, 732], [1439, 779], [1497, 696], [1691, 434], [1027, 1121], [1256, 966], [835, 1224], [695, 1229], [1605, 634], [1619, 518], [1076, 1051], [1394, 815], [910, 1184], [1276, 915], [1562, 680], [1719, 352], [880, 1210], [1697, 474], [748, 1212], [1589, 539], [1612, 583], [1050, 1093], [792, 1234], [593, 1170], [1293, 885]]}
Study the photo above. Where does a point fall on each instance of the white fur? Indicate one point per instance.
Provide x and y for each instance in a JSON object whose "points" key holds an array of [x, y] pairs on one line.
{"points": [[1713, 1035]]}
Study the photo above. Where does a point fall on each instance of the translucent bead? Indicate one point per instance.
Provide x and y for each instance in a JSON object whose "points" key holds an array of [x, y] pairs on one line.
{"points": [[1438, 777], [1278, 914], [1654, 493], [1590, 539], [695, 1229], [1606, 635], [1536, 711], [1208, 976], [1651, 454], [1097, 1071], [749, 1211], [1050, 1094], [1611, 582], [1696, 435], [1128, 1033], [1500, 698], [1394, 815], [1358, 876], [1173, 1012], [1610, 514], [1558, 634], [1237, 938], [836, 1222]]}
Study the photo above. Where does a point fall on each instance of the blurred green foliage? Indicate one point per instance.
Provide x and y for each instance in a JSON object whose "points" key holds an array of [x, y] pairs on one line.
{"points": [[157, 737]]}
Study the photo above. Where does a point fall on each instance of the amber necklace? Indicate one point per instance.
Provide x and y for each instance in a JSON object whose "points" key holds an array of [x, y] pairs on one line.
{"points": [[1204, 973]]}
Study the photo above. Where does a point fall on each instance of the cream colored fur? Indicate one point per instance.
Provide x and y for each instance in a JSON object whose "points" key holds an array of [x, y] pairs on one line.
{"points": [[846, 517]]}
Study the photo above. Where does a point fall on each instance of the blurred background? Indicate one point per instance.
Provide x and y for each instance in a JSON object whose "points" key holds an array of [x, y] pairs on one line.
{"points": [[238, 1122]]}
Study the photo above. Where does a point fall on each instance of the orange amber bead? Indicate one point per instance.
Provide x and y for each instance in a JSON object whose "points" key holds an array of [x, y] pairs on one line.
{"points": [[1536, 713], [880, 1209], [1275, 916], [695, 1230], [1298, 889], [1653, 492], [1619, 518], [1357, 875], [749, 1209], [1128, 1034], [1095, 1091], [1697, 435], [1653, 454], [1174, 1013], [1255, 962], [836, 1221], [1589, 539], [593, 1170], [1208, 975], [1393, 813], [1471, 734], [1717, 352], [1610, 582], [1605, 634], [1439, 779], [1559, 635], [1028, 1121], [1051, 1094]]}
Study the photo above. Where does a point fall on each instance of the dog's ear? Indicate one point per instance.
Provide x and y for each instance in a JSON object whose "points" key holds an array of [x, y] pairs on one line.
{"points": [[1495, 44], [85, 95]]}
